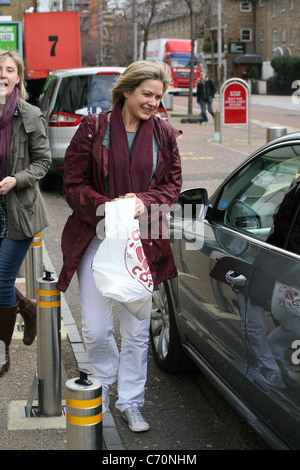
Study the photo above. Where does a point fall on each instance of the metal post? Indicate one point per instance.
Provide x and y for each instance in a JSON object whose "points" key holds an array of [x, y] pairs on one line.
{"points": [[49, 347], [33, 265], [217, 125], [84, 413], [275, 132]]}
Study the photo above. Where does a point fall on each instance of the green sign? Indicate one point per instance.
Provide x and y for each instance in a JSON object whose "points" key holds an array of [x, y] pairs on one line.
{"points": [[9, 36]]}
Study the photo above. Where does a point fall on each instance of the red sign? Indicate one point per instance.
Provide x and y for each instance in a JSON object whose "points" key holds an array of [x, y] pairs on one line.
{"points": [[52, 41], [235, 104]]}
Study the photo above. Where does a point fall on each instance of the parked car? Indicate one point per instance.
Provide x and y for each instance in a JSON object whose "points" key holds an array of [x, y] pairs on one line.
{"points": [[68, 96], [234, 309]]}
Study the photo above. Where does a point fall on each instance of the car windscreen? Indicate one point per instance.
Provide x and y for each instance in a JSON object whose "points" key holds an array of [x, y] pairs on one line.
{"points": [[85, 94]]}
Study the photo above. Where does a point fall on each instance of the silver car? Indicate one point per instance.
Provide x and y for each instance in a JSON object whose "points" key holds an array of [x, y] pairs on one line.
{"points": [[68, 96], [234, 308]]}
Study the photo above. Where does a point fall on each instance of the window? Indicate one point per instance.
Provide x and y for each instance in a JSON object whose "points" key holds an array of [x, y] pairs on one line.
{"points": [[84, 94], [261, 34], [282, 5], [45, 97], [245, 6], [292, 36], [274, 39], [274, 7], [283, 37], [251, 199], [246, 34]]}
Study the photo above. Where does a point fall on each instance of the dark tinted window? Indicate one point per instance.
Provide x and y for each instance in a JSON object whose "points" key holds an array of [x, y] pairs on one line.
{"points": [[250, 200], [85, 94], [48, 89]]}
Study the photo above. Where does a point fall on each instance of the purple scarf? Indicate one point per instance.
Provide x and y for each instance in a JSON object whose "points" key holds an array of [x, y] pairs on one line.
{"points": [[129, 174], [6, 127]]}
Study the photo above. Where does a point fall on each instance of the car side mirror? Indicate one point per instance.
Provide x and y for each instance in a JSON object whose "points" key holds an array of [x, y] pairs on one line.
{"points": [[191, 204]]}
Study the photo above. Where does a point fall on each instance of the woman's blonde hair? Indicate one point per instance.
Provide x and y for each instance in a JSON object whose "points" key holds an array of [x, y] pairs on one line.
{"points": [[135, 74], [20, 68]]}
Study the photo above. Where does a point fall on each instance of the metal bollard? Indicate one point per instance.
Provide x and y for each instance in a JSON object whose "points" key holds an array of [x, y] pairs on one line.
{"points": [[49, 347], [84, 413], [33, 265], [275, 132], [217, 125]]}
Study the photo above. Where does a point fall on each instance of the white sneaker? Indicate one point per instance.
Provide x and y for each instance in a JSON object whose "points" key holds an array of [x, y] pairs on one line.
{"points": [[134, 418], [105, 398]]}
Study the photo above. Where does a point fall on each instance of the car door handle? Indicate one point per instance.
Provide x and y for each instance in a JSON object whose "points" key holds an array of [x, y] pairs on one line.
{"points": [[236, 280]]}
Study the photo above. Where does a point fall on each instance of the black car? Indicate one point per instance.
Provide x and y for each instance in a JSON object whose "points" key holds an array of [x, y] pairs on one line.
{"points": [[234, 308]]}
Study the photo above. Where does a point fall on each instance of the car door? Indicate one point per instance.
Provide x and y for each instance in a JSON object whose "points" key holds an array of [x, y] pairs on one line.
{"points": [[274, 311], [217, 257]]}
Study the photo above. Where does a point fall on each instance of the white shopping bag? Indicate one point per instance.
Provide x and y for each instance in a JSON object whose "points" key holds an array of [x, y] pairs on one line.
{"points": [[285, 302], [120, 268]]}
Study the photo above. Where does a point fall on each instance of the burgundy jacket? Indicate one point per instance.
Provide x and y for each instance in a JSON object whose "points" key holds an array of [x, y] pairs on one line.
{"points": [[86, 168]]}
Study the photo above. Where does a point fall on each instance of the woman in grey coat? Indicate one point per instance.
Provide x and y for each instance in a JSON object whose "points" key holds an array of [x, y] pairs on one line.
{"points": [[24, 159]]}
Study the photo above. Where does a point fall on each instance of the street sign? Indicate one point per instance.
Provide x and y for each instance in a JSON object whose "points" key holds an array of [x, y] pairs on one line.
{"points": [[52, 41], [235, 104], [11, 37]]}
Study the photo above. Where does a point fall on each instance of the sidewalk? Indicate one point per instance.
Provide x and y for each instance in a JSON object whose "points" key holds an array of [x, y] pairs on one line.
{"points": [[19, 432]]}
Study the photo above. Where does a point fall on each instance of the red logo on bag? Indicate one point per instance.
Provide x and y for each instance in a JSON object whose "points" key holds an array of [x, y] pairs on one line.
{"points": [[288, 297], [136, 261]]}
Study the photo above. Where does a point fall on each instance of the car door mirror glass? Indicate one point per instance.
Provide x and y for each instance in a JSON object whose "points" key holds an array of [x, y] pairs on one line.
{"points": [[191, 204]]}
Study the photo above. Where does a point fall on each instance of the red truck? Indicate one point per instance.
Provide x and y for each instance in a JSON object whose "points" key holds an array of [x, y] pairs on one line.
{"points": [[177, 54]]}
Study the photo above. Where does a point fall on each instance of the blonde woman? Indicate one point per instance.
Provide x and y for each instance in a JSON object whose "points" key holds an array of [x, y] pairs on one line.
{"points": [[134, 154], [24, 160]]}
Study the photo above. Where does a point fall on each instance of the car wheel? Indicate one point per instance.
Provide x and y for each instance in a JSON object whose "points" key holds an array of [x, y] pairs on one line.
{"points": [[165, 340]]}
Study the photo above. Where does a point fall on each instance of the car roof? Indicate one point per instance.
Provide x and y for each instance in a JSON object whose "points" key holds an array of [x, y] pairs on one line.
{"points": [[85, 71], [294, 136]]}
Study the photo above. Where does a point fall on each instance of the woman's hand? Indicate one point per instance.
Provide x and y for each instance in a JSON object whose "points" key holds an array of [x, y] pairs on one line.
{"points": [[139, 205], [7, 184]]}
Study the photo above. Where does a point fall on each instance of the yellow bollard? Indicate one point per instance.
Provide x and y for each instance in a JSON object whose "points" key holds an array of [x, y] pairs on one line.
{"points": [[34, 265], [49, 347], [84, 413]]}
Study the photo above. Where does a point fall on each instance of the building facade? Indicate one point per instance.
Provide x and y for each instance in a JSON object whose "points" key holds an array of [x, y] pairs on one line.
{"points": [[258, 30], [253, 31]]}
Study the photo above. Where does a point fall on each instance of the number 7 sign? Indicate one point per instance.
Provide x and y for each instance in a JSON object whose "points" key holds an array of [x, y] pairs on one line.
{"points": [[52, 41]]}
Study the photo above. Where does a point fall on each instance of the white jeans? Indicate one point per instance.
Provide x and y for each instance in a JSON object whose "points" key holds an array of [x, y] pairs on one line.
{"points": [[129, 367]]}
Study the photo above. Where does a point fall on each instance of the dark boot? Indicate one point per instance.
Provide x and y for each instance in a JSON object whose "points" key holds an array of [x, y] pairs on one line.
{"points": [[8, 317], [27, 308]]}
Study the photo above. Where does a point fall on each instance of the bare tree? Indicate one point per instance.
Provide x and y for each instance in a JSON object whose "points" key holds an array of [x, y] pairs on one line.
{"points": [[143, 12]]}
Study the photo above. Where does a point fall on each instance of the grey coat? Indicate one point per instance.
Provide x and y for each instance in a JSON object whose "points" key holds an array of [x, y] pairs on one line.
{"points": [[30, 159]]}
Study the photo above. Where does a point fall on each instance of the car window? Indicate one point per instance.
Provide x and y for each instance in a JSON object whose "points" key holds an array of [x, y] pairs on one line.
{"points": [[251, 199], [285, 232], [48, 89], [85, 94]]}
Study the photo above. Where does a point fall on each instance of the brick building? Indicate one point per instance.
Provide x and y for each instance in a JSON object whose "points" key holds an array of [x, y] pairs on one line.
{"points": [[258, 30], [253, 31]]}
